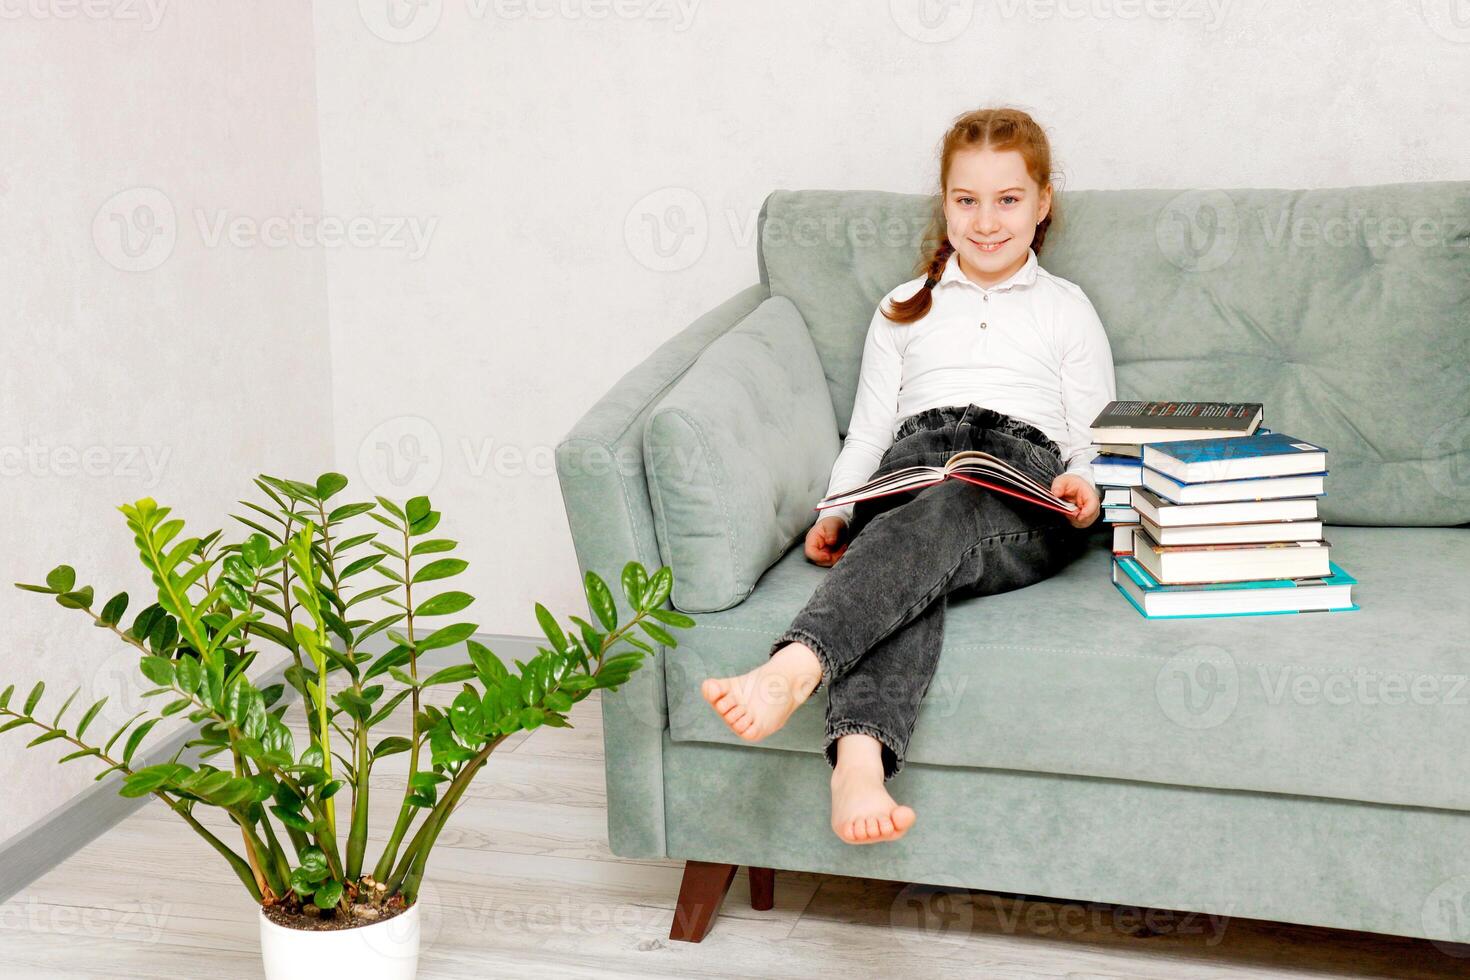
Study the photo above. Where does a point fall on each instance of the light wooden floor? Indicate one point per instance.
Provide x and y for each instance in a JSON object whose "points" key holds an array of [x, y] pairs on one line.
{"points": [[523, 883]]}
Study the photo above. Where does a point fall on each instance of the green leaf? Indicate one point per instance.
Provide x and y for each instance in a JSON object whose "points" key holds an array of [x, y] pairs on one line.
{"points": [[487, 665], [600, 599], [372, 593], [255, 550], [671, 617], [444, 603], [159, 670], [135, 739], [658, 633], [390, 507], [80, 753], [433, 546], [531, 717], [113, 611], [61, 578], [466, 717], [88, 717], [5, 697], [330, 790], [56, 722], [551, 628], [450, 675], [328, 484], [35, 696], [658, 587], [360, 565], [46, 737], [328, 895], [635, 583], [80, 599], [391, 746], [416, 509], [187, 674], [448, 636], [313, 860], [293, 819], [443, 568], [425, 524]]}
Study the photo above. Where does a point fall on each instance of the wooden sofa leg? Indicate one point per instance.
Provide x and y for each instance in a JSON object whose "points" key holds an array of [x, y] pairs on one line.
{"points": [[700, 894], [762, 889]]}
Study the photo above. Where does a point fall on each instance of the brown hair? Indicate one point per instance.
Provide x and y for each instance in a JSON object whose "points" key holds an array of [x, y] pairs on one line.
{"points": [[996, 129]]}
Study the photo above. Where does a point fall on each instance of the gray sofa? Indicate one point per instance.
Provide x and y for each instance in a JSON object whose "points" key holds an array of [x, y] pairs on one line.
{"points": [[1301, 768]]}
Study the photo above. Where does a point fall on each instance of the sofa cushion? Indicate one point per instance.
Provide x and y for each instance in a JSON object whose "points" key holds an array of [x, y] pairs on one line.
{"points": [[738, 452], [1065, 677], [1345, 311]]}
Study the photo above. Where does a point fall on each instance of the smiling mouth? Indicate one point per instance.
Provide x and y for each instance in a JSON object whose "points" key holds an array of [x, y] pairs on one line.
{"points": [[990, 247]]}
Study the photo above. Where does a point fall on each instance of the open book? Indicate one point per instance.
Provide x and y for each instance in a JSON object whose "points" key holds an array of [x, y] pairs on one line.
{"points": [[972, 466]]}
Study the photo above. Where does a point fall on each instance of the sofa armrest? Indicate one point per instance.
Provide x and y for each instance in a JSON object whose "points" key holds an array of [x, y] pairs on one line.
{"points": [[599, 465]]}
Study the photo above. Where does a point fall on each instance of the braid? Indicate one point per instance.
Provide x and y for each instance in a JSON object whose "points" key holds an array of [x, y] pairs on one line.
{"points": [[914, 308]]}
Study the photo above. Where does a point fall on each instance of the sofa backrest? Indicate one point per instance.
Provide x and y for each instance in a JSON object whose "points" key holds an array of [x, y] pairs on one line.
{"points": [[1345, 311]]}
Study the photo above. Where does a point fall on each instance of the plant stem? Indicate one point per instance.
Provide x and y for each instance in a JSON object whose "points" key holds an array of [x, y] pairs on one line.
{"points": [[405, 810], [357, 837]]}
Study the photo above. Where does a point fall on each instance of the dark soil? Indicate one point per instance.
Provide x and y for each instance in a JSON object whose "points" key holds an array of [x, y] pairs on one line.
{"points": [[313, 919]]}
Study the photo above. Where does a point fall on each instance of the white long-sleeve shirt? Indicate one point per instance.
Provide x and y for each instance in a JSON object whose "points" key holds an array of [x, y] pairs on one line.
{"points": [[1031, 347]]}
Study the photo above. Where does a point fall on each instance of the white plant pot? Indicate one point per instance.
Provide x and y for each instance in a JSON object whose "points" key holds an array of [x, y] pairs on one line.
{"points": [[387, 950]]}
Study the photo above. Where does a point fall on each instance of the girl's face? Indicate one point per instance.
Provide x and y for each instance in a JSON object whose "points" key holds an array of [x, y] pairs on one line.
{"points": [[992, 207]]}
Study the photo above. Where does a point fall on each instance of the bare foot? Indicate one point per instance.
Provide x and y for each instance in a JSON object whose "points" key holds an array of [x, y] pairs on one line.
{"points": [[757, 704], [862, 810]]}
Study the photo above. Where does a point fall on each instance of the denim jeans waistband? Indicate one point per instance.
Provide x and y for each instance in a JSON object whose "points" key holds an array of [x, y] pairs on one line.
{"points": [[985, 418]]}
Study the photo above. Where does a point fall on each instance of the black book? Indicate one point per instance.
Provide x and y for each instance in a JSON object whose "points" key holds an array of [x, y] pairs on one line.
{"points": [[1141, 422]]}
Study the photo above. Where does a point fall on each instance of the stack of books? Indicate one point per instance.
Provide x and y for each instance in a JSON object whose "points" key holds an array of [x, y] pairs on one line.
{"points": [[1226, 524]]}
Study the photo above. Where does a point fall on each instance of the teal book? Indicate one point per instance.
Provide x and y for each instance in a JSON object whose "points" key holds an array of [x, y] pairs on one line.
{"points": [[1264, 597]]}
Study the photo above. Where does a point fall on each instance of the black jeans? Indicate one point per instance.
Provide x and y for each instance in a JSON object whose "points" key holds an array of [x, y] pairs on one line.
{"points": [[876, 621]]}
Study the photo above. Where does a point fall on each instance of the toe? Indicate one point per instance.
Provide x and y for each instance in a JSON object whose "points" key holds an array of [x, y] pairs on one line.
{"points": [[872, 823], [885, 827], [725, 702], [903, 818], [711, 689]]}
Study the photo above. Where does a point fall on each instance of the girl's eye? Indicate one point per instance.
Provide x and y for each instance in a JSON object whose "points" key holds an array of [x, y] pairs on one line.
{"points": [[964, 199], [1009, 198]]}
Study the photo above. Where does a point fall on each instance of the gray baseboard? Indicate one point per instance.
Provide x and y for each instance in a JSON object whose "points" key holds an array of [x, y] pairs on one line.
{"points": [[38, 848]]}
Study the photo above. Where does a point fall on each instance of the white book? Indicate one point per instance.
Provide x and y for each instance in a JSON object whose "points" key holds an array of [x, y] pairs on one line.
{"points": [[1259, 533], [1166, 514], [1231, 562]]}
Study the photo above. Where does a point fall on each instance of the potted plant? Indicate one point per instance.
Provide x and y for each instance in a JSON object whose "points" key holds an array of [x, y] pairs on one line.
{"points": [[298, 580]]}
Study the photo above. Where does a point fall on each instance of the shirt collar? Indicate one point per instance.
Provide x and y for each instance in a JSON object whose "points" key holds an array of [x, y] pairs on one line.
{"points": [[1024, 276]]}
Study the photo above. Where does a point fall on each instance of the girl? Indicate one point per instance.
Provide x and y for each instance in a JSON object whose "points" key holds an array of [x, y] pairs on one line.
{"points": [[986, 350]]}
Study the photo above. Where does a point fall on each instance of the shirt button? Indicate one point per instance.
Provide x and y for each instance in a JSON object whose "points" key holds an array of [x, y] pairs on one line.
{"points": [[984, 325], [986, 298]]}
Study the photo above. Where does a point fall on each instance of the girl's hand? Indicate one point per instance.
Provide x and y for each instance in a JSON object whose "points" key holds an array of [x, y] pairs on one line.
{"points": [[827, 540], [1071, 487]]}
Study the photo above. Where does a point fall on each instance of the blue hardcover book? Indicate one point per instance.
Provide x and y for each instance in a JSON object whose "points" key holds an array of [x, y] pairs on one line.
{"points": [[1117, 471], [1210, 460], [1264, 597]]}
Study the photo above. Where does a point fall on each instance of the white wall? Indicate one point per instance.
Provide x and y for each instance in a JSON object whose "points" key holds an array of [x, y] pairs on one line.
{"points": [[137, 363], [543, 149]]}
